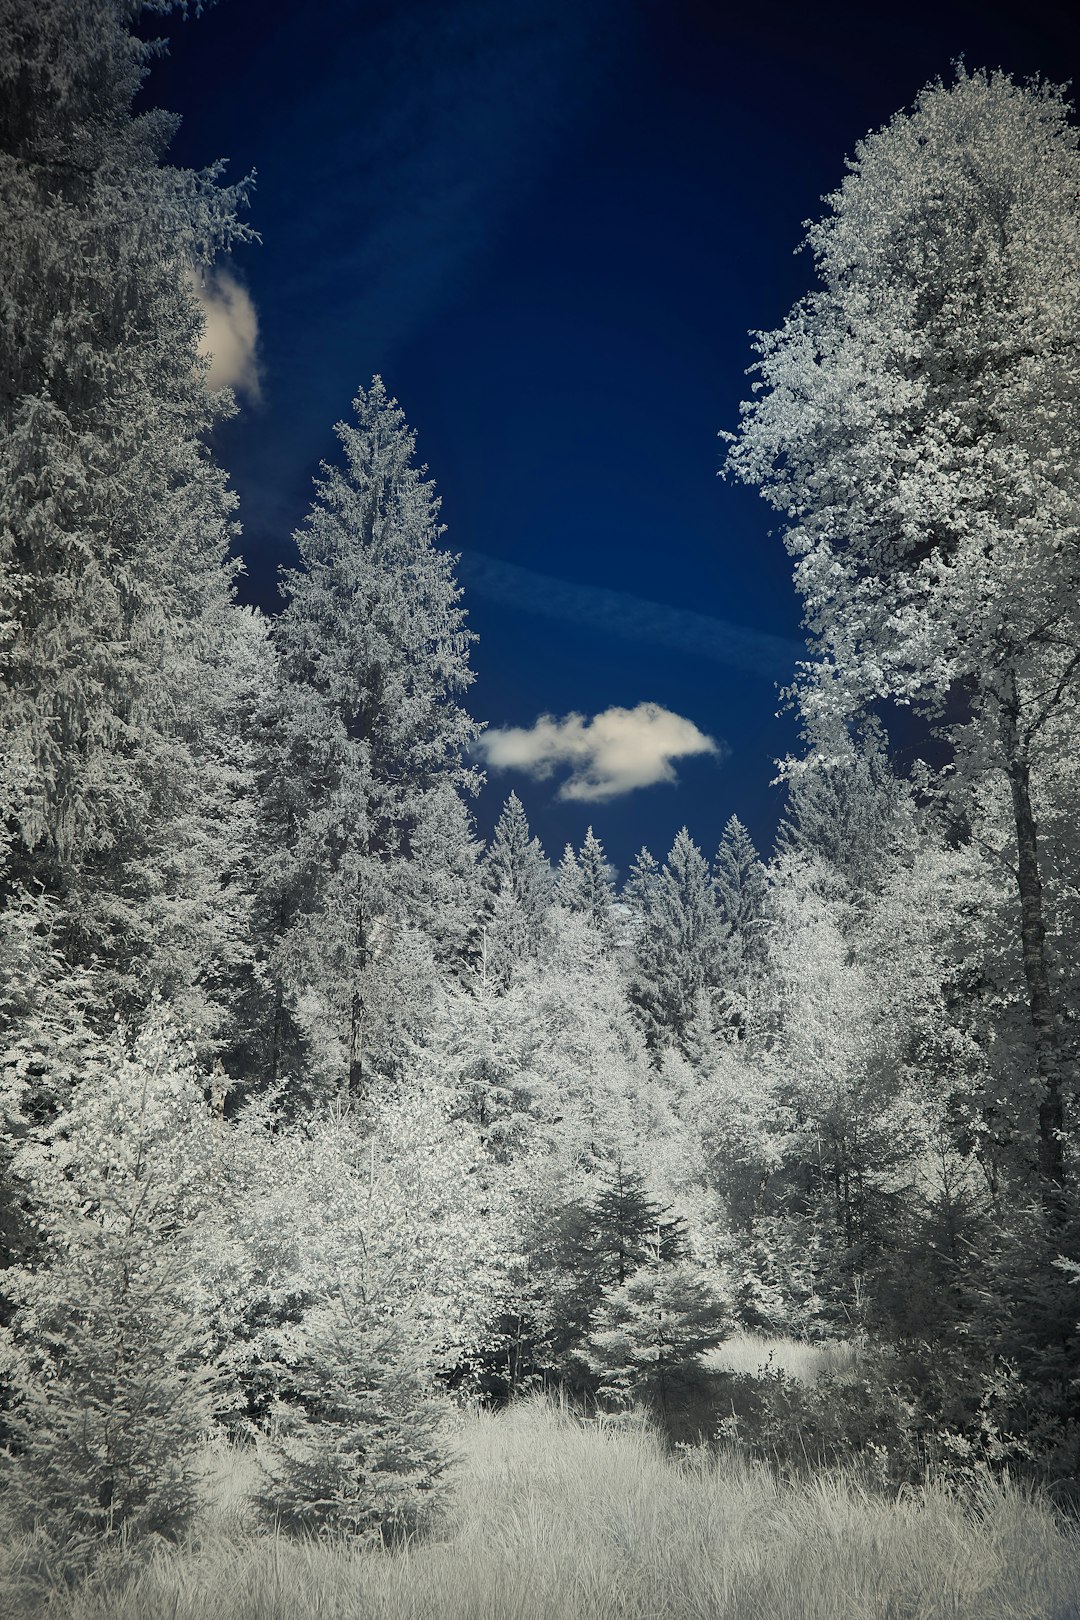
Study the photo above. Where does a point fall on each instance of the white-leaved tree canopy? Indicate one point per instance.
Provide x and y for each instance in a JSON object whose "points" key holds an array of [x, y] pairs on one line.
{"points": [[916, 423]]}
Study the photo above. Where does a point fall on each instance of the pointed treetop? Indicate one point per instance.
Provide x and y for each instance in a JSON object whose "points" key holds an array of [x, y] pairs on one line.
{"points": [[568, 880], [644, 872], [738, 878]]}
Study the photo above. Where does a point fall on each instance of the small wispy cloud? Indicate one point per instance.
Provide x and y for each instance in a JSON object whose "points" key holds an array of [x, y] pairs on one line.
{"points": [[231, 335], [613, 753], [617, 613]]}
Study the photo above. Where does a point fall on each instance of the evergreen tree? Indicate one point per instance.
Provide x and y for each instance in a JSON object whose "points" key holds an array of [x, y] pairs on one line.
{"points": [[628, 1226], [848, 810], [596, 891], [594, 1244], [369, 739], [108, 1352], [115, 524], [486, 1045], [47, 1045], [677, 944], [568, 889], [649, 1333], [442, 883], [519, 884], [585, 883], [359, 1448], [739, 883]]}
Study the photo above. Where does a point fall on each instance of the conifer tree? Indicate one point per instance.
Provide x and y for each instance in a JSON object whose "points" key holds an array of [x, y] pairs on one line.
{"points": [[108, 1356], [739, 881], [597, 885], [360, 1446], [568, 880], [519, 884], [596, 1243], [677, 943], [649, 1333], [369, 739], [628, 1226], [739, 884], [115, 525], [848, 810], [585, 883], [442, 883], [48, 1044]]}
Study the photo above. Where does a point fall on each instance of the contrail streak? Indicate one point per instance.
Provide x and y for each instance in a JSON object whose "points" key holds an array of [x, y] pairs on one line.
{"points": [[617, 613]]}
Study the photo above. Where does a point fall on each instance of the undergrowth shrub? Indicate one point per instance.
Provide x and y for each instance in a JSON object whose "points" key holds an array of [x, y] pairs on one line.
{"points": [[904, 1414]]}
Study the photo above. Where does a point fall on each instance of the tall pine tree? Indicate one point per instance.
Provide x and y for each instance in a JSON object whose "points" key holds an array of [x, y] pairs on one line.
{"points": [[677, 943]]}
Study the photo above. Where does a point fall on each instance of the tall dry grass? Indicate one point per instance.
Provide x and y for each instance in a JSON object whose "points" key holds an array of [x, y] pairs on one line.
{"points": [[557, 1519], [754, 1353]]}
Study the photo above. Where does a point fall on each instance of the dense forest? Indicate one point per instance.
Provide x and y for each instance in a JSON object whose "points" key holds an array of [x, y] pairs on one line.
{"points": [[325, 1118]]}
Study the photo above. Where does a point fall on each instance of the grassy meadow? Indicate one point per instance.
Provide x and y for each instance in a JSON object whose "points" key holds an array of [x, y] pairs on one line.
{"points": [[557, 1518]]}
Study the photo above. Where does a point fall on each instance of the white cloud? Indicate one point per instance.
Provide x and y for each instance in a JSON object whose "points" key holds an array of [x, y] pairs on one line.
{"points": [[231, 334], [613, 753]]}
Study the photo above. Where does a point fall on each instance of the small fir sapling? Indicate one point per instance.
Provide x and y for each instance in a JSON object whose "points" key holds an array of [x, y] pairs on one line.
{"points": [[359, 1446], [107, 1358], [649, 1333], [596, 1245]]}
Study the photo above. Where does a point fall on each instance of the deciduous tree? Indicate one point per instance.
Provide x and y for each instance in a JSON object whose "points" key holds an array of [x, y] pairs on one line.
{"points": [[916, 423]]}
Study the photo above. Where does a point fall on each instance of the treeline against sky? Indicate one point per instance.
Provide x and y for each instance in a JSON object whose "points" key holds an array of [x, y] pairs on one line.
{"points": [[321, 1114]]}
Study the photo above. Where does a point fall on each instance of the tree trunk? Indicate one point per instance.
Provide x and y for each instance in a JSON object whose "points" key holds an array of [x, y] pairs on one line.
{"points": [[354, 1083], [1044, 1022], [278, 1037]]}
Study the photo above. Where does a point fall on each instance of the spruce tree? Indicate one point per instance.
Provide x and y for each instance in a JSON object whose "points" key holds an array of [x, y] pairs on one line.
{"points": [[359, 1448], [115, 525], [628, 1226], [596, 889], [848, 810], [568, 890], [369, 738], [649, 1333], [739, 881], [518, 881], [585, 883], [108, 1356], [739, 884], [595, 1244], [677, 944]]}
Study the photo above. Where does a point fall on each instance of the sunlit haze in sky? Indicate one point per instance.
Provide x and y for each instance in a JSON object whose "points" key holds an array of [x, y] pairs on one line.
{"points": [[550, 225]]}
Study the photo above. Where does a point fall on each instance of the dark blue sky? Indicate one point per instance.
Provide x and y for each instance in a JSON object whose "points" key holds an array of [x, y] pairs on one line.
{"points": [[549, 224]]}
